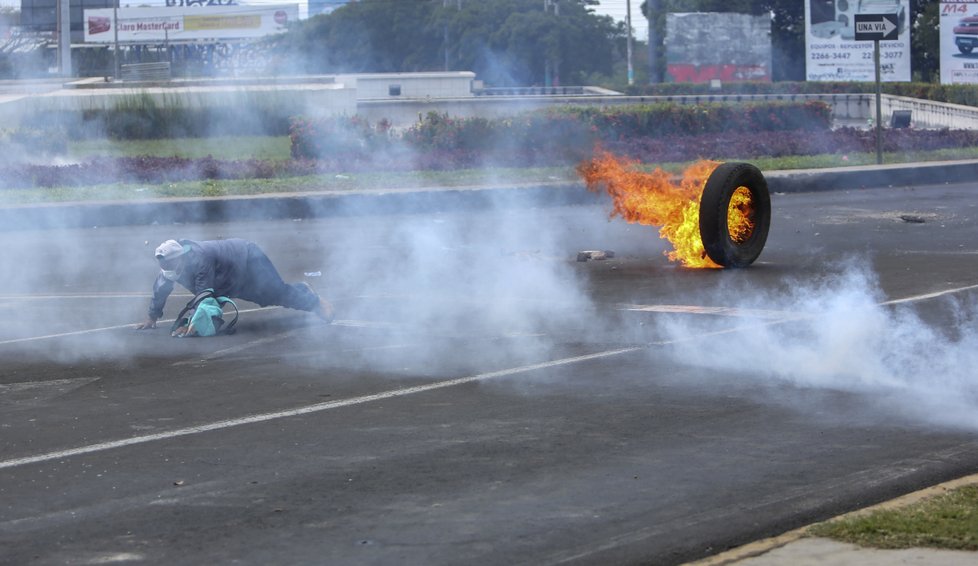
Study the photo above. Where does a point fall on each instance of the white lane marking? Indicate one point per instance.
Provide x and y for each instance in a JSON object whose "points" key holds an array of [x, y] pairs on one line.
{"points": [[231, 350], [318, 407], [774, 314], [720, 311], [102, 329], [281, 336], [262, 417], [69, 296], [72, 333], [368, 324], [933, 295]]}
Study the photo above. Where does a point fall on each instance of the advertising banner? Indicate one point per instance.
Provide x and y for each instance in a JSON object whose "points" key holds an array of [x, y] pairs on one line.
{"points": [[705, 46], [959, 42], [176, 24], [833, 54]]}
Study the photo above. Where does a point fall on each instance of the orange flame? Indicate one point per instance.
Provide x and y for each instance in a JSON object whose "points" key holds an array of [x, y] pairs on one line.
{"points": [[654, 199]]}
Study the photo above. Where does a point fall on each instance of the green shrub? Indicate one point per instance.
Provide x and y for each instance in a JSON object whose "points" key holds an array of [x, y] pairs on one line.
{"points": [[665, 119], [350, 137], [142, 116], [568, 132]]}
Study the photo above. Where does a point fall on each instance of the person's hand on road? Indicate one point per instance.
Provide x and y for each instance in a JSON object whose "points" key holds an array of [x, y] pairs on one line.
{"points": [[146, 324], [183, 331]]}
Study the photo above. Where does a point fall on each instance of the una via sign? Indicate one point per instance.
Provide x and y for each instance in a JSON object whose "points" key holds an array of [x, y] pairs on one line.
{"points": [[876, 27]]}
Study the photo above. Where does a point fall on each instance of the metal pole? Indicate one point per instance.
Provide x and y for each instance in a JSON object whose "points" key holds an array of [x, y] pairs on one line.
{"points": [[64, 37], [546, 58], [628, 24], [445, 5], [879, 109], [115, 46], [655, 41]]}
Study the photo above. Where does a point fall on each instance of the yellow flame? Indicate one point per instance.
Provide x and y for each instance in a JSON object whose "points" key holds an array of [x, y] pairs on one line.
{"points": [[740, 215], [656, 199]]}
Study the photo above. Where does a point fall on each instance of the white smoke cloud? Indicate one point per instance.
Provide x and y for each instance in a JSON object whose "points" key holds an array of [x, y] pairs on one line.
{"points": [[838, 334], [505, 278]]}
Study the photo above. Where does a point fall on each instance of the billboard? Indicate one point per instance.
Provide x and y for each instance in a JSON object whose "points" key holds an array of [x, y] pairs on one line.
{"points": [[42, 15], [959, 42], [703, 46], [175, 24], [833, 54]]}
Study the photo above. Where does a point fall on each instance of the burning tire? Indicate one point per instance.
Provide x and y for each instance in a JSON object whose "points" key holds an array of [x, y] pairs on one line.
{"points": [[735, 214]]}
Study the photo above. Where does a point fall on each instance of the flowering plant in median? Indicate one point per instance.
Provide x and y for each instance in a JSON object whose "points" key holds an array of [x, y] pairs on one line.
{"points": [[555, 137]]}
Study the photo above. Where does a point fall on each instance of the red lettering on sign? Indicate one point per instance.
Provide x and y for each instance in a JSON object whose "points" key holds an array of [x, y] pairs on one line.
{"points": [[688, 73]]}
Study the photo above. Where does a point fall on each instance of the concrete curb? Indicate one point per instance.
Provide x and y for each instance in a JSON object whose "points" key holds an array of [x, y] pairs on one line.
{"points": [[873, 176], [757, 548], [289, 205], [434, 199]]}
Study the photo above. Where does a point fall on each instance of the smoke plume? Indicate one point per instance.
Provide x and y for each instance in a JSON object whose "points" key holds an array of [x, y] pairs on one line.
{"points": [[838, 334]]}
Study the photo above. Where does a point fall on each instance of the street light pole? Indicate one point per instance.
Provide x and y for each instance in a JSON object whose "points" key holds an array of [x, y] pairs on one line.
{"points": [[115, 46], [64, 38], [655, 40], [879, 105], [628, 24]]}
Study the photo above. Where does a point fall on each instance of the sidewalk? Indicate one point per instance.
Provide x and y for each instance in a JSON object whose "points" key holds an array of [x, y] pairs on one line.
{"points": [[794, 548], [820, 552]]}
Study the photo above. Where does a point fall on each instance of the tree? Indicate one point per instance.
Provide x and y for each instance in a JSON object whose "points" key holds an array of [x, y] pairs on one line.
{"points": [[365, 36], [505, 42], [925, 40]]}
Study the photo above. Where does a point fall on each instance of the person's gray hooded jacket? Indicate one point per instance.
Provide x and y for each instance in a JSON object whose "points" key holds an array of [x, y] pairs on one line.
{"points": [[219, 265]]}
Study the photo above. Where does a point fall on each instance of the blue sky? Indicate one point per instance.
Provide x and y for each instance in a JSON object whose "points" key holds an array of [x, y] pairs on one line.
{"points": [[617, 9]]}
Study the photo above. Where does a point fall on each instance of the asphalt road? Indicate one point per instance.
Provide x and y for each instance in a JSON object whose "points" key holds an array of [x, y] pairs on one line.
{"points": [[484, 398]]}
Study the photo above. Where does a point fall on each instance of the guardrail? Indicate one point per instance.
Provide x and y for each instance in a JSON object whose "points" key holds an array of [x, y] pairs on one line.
{"points": [[531, 91], [145, 72]]}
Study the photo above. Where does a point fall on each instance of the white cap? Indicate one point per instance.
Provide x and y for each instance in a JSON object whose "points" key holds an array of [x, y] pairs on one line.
{"points": [[170, 249]]}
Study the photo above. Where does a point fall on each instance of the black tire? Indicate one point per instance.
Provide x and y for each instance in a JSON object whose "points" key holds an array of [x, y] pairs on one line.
{"points": [[714, 206]]}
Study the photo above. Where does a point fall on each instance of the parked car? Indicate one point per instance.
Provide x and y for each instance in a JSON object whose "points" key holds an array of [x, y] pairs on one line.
{"points": [[966, 34]]}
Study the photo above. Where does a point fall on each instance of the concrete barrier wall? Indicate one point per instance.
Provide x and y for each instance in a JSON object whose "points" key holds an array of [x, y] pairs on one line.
{"points": [[410, 85], [326, 98], [929, 114], [313, 100]]}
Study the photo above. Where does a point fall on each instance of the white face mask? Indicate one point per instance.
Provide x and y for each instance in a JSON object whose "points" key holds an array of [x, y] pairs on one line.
{"points": [[171, 275]]}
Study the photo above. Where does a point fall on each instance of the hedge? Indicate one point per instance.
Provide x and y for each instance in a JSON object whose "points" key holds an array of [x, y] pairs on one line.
{"points": [[563, 132]]}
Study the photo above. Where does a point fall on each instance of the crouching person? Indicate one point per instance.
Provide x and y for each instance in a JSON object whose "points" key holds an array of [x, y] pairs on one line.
{"points": [[233, 268]]}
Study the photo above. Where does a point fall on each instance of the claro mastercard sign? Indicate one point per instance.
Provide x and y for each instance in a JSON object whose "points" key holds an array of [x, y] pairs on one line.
{"points": [[187, 23]]}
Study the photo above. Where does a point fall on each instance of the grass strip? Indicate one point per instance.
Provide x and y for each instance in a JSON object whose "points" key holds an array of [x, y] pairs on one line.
{"points": [[220, 147], [307, 184], [948, 521], [277, 148]]}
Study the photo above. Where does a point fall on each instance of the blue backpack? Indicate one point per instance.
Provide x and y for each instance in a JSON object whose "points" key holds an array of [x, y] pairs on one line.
{"points": [[204, 316]]}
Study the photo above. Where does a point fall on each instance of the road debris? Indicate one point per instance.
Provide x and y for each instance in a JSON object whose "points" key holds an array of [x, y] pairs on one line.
{"points": [[595, 255]]}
